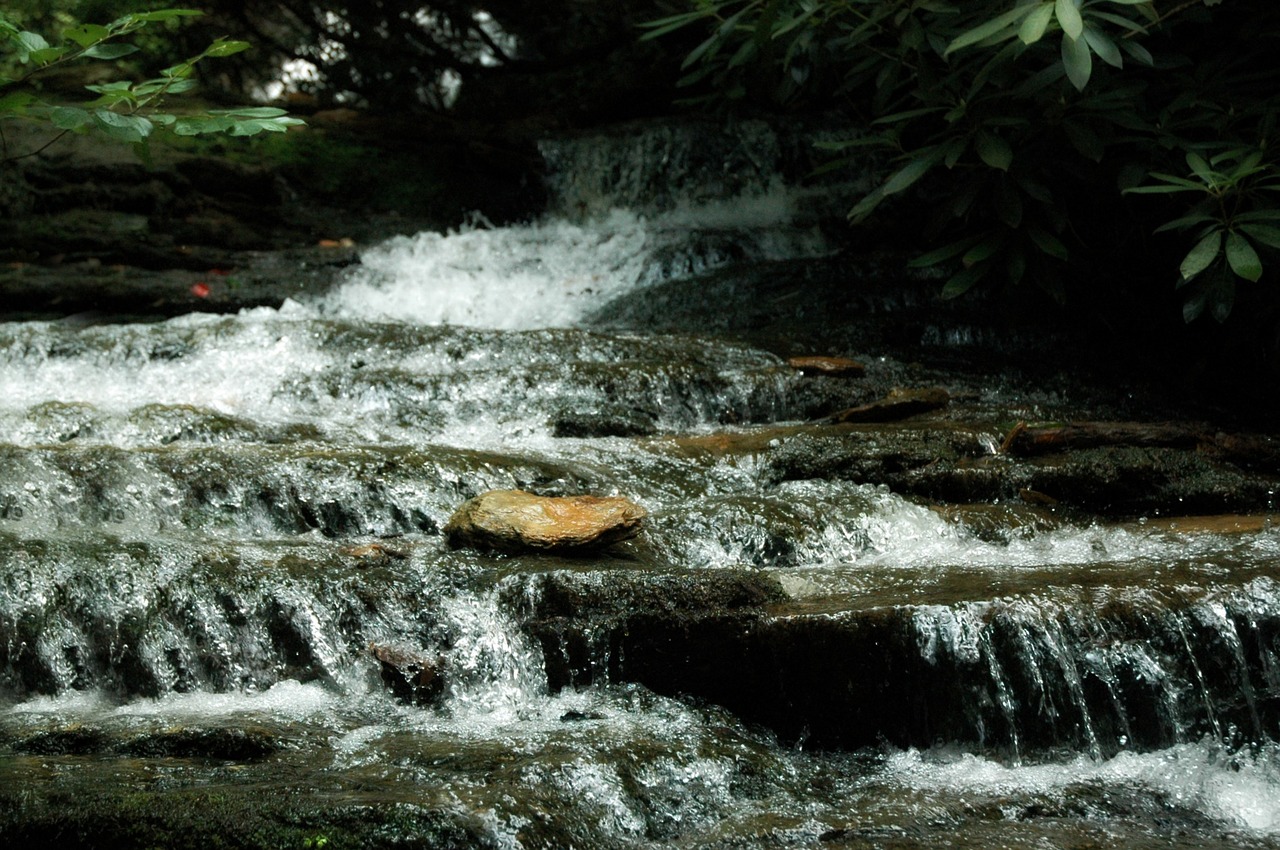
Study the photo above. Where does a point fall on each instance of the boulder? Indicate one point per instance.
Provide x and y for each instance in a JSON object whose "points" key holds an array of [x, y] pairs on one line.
{"points": [[515, 521]]}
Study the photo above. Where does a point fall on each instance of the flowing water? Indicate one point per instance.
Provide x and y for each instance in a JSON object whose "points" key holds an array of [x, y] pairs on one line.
{"points": [[206, 523]]}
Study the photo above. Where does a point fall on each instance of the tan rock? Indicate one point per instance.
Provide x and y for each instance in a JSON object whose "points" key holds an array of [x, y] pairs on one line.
{"points": [[834, 367], [516, 521]]}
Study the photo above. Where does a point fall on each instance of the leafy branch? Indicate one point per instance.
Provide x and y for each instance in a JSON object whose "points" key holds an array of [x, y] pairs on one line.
{"points": [[123, 110], [1017, 118]]}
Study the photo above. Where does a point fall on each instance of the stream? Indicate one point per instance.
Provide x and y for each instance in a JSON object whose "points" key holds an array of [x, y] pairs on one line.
{"points": [[215, 528]]}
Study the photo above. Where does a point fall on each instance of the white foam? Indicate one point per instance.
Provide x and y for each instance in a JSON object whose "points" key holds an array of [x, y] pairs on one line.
{"points": [[546, 274], [1239, 789]]}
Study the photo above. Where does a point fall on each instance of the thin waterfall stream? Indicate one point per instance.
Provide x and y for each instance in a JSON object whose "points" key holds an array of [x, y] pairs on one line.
{"points": [[221, 548]]}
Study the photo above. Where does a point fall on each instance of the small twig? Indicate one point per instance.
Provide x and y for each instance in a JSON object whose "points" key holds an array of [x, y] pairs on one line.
{"points": [[35, 152], [1013, 435]]}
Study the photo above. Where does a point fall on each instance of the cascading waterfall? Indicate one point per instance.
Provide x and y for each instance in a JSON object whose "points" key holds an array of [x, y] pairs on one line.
{"points": [[211, 527]]}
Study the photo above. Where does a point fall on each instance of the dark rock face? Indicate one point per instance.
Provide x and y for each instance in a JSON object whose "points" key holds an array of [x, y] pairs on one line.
{"points": [[516, 521], [1007, 676]]}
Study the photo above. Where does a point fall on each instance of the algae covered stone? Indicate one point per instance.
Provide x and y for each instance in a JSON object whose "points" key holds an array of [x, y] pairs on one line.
{"points": [[516, 521]]}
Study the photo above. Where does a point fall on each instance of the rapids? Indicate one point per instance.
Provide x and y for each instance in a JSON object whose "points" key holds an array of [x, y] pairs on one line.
{"points": [[189, 594]]}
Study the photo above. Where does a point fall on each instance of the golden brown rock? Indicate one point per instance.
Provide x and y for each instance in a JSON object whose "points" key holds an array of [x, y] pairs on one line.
{"points": [[516, 521], [835, 367]]}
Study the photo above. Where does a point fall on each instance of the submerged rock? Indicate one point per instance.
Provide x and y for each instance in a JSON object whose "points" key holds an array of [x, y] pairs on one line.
{"points": [[609, 421], [413, 677], [516, 521], [899, 404]]}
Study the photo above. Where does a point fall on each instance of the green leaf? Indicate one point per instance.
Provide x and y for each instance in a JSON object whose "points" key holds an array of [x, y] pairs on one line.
{"points": [[70, 118], [1184, 222], [662, 26], [911, 172], [1242, 258], [1201, 256], [1047, 243], [1201, 169], [197, 126], [982, 251], [1194, 305], [124, 128], [1264, 233], [1102, 45], [1172, 183], [993, 150], [866, 206], [254, 126], [1137, 52], [1076, 60], [16, 103], [166, 15], [30, 42], [86, 34], [899, 117], [1032, 29], [48, 54], [1068, 14], [1223, 296], [963, 281], [251, 112], [982, 32], [226, 48], [1259, 215], [109, 51], [946, 252], [1132, 27]]}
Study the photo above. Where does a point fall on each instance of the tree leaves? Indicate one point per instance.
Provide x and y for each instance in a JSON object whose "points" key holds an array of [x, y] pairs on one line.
{"points": [[1024, 113], [123, 110]]}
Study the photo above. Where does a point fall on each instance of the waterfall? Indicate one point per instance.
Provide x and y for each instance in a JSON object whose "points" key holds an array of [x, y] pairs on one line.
{"points": [[221, 560]]}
